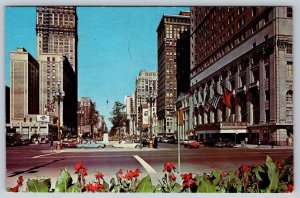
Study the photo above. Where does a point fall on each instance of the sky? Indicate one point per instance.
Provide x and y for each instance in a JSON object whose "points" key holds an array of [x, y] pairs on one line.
{"points": [[115, 43]]}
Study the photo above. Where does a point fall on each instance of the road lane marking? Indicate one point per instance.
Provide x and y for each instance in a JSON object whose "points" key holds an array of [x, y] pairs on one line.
{"points": [[43, 155], [146, 166]]}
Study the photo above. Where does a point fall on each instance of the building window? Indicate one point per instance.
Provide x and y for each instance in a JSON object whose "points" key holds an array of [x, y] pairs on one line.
{"points": [[289, 69], [253, 11], [289, 49], [289, 96], [289, 12]]}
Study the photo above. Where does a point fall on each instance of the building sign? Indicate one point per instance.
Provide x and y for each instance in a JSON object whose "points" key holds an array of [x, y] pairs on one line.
{"points": [[43, 118]]}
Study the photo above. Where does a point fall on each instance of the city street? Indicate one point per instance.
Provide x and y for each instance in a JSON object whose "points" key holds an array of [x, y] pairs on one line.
{"points": [[38, 161]]}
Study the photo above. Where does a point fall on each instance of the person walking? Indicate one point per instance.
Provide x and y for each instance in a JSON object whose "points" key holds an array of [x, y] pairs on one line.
{"points": [[51, 144], [155, 144]]}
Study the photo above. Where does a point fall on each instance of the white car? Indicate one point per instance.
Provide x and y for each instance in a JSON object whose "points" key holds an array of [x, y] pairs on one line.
{"points": [[126, 144], [91, 144]]}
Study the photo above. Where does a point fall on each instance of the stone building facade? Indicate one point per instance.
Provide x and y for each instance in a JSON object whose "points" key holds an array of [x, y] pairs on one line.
{"points": [[242, 73]]}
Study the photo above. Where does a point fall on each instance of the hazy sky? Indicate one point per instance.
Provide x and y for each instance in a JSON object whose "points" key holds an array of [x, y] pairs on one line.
{"points": [[115, 43]]}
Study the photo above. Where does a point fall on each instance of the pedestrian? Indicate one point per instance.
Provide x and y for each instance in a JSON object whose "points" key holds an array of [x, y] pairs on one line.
{"points": [[155, 144], [51, 144]]}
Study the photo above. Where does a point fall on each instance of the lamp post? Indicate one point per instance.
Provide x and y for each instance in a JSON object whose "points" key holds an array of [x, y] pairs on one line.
{"points": [[133, 117], [58, 96], [81, 113], [151, 99]]}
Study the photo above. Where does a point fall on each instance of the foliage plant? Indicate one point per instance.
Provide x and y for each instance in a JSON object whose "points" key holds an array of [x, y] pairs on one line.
{"points": [[271, 177]]}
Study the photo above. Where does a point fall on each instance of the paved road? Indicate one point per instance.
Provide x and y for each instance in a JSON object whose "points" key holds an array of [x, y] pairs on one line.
{"points": [[37, 160]]}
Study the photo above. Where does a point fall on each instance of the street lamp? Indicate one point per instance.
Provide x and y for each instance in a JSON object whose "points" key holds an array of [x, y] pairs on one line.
{"points": [[58, 96], [133, 117], [81, 113], [151, 99]]}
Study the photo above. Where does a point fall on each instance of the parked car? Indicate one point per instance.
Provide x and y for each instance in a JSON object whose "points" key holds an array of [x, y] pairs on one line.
{"points": [[25, 142], [43, 141], [193, 144], [186, 143], [211, 142], [229, 143], [164, 140], [171, 140], [220, 144], [91, 144], [69, 143]]}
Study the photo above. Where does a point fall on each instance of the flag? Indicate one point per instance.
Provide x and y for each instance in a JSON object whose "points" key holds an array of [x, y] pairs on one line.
{"points": [[106, 101], [181, 117], [207, 103], [215, 100], [226, 99]]}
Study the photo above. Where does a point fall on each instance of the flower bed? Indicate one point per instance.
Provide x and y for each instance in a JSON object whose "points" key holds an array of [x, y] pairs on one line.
{"points": [[270, 177]]}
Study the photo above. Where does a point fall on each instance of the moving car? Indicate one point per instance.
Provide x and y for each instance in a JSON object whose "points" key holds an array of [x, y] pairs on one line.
{"points": [[193, 144], [91, 144], [126, 144], [70, 143]]}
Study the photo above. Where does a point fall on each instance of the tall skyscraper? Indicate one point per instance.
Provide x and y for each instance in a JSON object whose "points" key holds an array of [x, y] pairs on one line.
{"points": [[56, 29], [172, 58], [242, 73]]}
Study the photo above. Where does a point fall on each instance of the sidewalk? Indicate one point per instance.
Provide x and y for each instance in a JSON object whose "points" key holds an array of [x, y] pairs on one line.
{"points": [[255, 146], [106, 149]]}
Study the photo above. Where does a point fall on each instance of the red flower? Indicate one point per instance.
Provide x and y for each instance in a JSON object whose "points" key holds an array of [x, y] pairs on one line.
{"points": [[186, 176], [120, 171], [188, 183], [99, 187], [99, 175], [172, 177], [245, 169], [290, 188], [222, 174], [90, 187], [78, 166], [168, 166], [136, 173], [20, 181], [15, 189], [128, 175], [83, 172]]}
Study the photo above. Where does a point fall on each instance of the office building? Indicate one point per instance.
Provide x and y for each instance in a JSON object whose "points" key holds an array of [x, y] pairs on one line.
{"points": [[173, 67]]}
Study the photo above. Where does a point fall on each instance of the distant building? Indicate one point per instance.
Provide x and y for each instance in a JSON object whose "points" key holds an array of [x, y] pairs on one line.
{"points": [[85, 105], [146, 84], [131, 114], [173, 67], [242, 73], [24, 94]]}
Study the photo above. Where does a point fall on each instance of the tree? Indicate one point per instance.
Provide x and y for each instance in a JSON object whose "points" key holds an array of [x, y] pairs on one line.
{"points": [[118, 116], [93, 117]]}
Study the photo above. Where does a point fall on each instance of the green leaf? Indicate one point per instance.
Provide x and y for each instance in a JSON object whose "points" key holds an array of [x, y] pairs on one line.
{"points": [[205, 185], [216, 173], [176, 188], [145, 185], [41, 185], [272, 174], [64, 181], [106, 186], [158, 188], [74, 188], [258, 170]]}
